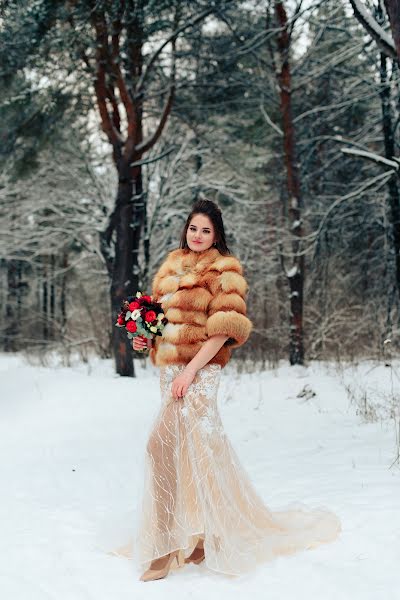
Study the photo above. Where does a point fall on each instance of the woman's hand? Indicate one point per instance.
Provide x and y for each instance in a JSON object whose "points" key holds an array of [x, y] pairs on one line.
{"points": [[139, 342], [181, 383]]}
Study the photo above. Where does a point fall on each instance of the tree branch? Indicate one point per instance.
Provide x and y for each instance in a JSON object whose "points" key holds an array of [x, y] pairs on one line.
{"points": [[145, 145], [170, 38], [383, 40], [393, 164], [100, 84]]}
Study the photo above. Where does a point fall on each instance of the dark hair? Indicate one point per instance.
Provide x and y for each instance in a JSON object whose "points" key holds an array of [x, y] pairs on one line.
{"points": [[211, 210]]}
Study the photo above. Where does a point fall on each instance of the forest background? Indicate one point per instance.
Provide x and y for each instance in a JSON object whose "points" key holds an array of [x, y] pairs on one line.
{"points": [[115, 116]]}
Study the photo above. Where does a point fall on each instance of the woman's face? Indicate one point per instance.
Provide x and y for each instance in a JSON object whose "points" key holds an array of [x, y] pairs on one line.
{"points": [[200, 234]]}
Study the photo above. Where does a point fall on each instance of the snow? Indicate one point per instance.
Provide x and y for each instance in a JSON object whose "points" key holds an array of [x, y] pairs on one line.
{"points": [[292, 272], [296, 224], [373, 156], [373, 25], [72, 442]]}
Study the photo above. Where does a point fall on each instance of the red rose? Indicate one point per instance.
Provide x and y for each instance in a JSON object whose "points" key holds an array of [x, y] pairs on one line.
{"points": [[131, 326], [150, 316], [121, 320], [134, 305], [146, 298]]}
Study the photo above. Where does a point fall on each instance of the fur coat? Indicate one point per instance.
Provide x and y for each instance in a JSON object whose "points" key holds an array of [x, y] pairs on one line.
{"points": [[202, 294]]}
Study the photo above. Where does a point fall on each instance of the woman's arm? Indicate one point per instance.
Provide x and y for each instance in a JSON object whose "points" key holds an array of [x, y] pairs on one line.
{"points": [[209, 349], [206, 353]]}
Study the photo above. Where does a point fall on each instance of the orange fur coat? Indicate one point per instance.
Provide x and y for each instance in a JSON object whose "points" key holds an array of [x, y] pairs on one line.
{"points": [[203, 294]]}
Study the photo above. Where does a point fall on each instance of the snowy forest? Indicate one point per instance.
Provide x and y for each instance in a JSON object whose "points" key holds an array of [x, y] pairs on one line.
{"points": [[116, 116]]}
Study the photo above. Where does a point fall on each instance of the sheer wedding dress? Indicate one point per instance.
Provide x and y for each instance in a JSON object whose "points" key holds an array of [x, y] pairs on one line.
{"points": [[195, 486]]}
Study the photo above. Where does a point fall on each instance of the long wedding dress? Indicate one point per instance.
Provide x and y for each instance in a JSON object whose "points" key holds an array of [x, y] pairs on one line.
{"points": [[195, 486]]}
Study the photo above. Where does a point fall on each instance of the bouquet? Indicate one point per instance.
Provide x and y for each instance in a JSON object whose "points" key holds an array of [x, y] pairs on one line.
{"points": [[141, 315]]}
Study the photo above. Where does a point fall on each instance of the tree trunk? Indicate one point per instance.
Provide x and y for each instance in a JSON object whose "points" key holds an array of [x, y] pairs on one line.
{"points": [[53, 292], [393, 10], [45, 296], [63, 292], [389, 143], [12, 325], [122, 272], [295, 274], [129, 222]]}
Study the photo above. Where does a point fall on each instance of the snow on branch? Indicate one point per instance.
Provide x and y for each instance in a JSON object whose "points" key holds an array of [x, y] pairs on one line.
{"points": [[393, 163], [383, 39], [292, 272]]}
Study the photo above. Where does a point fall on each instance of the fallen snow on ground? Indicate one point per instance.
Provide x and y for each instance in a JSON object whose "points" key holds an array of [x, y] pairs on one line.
{"points": [[72, 442]]}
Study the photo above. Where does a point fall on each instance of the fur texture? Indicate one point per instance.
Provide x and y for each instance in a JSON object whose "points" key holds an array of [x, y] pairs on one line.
{"points": [[203, 294]]}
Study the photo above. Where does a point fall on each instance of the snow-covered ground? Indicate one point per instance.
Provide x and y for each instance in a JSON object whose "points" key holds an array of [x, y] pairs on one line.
{"points": [[72, 442]]}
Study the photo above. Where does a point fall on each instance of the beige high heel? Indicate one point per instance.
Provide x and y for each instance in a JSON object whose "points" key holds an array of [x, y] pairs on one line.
{"points": [[198, 555], [154, 573]]}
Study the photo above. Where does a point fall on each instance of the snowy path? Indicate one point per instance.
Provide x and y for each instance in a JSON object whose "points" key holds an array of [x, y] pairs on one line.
{"points": [[71, 443]]}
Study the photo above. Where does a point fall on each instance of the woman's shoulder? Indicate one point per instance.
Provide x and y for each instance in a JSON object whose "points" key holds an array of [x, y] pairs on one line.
{"points": [[224, 263], [176, 253]]}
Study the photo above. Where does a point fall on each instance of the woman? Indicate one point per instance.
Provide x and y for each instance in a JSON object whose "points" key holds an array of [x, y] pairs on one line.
{"points": [[198, 502]]}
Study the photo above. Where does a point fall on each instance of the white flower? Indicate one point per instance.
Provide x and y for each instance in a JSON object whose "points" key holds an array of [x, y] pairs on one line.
{"points": [[135, 314]]}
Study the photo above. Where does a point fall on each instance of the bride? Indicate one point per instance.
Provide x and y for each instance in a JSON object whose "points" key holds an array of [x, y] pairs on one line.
{"points": [[198, 503]]}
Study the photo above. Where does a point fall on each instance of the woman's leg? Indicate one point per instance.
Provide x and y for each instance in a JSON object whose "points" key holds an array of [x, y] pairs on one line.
{"points": [[161, 449]]}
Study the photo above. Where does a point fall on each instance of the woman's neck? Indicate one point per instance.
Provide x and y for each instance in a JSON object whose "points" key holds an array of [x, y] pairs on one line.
{"points": [[199, 256]]}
